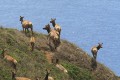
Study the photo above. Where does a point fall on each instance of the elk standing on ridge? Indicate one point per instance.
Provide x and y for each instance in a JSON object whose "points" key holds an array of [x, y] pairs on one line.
{"points": [[53, 36], [26, 24], [56, 26], [95, 49]]}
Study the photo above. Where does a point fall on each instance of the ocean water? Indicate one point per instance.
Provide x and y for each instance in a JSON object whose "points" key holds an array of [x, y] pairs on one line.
{"points": [[83, 22]]}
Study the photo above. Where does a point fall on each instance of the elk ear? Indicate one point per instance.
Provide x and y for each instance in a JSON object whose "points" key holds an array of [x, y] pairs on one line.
{"points": [[51, 19]]}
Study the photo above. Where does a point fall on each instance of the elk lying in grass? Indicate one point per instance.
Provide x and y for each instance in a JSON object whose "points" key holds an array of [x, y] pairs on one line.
{"points": [[53, 36], [95, 49], [56, 26], [47, 77], [58, 65], [18, 78], [26, 24], [9, 58], [32, 42]]}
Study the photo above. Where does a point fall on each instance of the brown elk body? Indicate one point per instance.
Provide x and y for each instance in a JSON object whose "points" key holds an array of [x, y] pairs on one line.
{"points": [[95, 49], [56, 26], [32, 42], [53, 35], [10, 59], [58, 65], [18, 78], [26, 24]]}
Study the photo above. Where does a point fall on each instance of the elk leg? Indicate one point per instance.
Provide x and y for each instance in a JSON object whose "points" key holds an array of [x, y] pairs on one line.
{"points": [[14, 66], [23, 29], [55, 44], [59, 34], [32, 30], [28, 30], [32, 45], [95, 56], [50, 44]]}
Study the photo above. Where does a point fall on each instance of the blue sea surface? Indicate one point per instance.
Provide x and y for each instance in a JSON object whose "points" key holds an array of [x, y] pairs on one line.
{"points": [[83, 22]]}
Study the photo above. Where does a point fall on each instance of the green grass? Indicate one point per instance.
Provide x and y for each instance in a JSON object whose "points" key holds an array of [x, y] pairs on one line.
{"points": [[34, 64], [78, 73]]}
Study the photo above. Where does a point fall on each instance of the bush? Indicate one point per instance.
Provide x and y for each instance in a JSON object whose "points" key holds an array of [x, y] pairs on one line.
{"points": [[78, 73]]}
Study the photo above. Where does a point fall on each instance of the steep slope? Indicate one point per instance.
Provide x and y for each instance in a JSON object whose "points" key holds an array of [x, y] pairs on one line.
{"points": [[34, 64]]}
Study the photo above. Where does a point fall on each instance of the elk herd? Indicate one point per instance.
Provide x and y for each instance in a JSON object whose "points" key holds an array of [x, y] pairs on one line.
{"points": [[53, 38]]}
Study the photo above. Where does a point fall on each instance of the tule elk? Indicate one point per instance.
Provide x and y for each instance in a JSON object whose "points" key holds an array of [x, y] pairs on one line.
{"points": [[53, 36], [26, 24], [95, 49], [32, 42], [9, 58], [56, 26]]}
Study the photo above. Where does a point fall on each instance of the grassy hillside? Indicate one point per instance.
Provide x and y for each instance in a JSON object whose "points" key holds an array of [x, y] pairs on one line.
{"points": [[34, 64]]}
